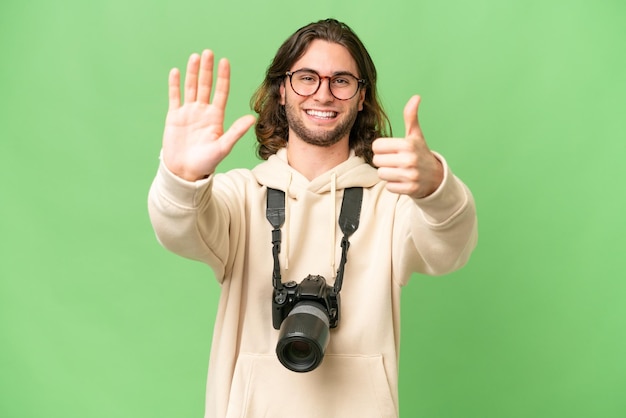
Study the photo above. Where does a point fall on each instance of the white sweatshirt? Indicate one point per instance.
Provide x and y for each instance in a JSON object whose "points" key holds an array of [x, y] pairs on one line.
{"points": [[221, 222]]}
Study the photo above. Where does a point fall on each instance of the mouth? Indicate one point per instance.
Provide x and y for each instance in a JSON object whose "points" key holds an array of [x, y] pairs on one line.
{"points": [[321, 114]]}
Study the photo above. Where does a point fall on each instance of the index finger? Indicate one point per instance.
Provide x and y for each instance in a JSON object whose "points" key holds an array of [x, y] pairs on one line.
{"points": [[222, 86], [390, 145]]}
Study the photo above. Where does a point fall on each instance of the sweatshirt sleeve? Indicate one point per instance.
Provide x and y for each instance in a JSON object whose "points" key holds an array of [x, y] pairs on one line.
{"points": [[442, 228], [188, 221]]}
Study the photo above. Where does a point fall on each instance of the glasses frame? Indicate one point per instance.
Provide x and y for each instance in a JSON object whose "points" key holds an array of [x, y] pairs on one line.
{"points": [[360, 82]]}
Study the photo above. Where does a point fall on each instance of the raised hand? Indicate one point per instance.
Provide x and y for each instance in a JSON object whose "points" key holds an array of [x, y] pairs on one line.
{"points": [[194, 141], [407, 164]]}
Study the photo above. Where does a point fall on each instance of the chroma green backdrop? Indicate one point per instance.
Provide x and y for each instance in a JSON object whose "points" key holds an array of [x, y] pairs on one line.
{"points": [[526, 99]]}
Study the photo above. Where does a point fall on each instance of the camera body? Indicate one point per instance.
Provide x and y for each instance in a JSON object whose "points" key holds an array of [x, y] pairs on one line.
{"points": [[312, 289]]}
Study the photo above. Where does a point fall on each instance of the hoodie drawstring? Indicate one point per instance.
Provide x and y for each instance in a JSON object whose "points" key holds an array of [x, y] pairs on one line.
{"points": [[287, 220], [333, 220]]}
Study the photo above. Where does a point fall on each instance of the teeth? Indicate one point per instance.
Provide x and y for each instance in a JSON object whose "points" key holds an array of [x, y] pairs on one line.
{"points": [[320, 114]]}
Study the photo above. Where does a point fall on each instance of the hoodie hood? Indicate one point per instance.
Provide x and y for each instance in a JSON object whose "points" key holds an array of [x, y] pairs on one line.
{"points": [[278, 174]]}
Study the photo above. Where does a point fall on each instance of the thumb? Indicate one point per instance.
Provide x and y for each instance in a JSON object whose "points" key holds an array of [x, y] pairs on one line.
{"points": [[236, 131], [411, 123]]}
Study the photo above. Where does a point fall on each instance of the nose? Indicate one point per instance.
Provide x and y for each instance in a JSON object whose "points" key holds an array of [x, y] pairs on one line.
{"points": [[323, 93]]}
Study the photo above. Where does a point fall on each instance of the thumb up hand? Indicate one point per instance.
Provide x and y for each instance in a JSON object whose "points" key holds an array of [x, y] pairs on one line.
{"points": [[407, 164]]}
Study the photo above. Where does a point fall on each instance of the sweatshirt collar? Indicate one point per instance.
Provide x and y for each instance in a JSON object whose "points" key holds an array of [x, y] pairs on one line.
{"points": [[276, 173]]}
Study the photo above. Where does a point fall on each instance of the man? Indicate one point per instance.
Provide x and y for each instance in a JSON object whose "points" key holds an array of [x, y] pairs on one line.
{"points": [[322, 131]]}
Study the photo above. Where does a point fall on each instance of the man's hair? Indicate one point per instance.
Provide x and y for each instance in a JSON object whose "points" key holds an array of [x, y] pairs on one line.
{"points": [[272, 128]]}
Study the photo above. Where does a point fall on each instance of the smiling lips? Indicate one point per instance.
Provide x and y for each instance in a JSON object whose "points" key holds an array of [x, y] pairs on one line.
{"points": [[321, 114]]}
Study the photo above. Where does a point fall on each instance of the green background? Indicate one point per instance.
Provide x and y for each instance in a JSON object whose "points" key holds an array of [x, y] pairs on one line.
{"points": [[525, 99]]}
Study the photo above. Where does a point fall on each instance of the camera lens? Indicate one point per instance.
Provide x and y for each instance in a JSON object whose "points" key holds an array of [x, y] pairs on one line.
{"points": [[300, 350], [303, 337]]}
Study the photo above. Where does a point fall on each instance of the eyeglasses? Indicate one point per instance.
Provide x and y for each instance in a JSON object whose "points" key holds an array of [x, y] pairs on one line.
{"points": [[343, 86]]}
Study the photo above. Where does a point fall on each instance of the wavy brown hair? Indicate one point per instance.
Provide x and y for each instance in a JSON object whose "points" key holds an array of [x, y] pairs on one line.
{"points": [[272, 129]]}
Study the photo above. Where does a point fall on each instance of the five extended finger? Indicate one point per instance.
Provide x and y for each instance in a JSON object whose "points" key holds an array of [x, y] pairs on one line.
{"points": [[191, 78], [236, 131], [174, 89], [205, 78], [222, 87]]}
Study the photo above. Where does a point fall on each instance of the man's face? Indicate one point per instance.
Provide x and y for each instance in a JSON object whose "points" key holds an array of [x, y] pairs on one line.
{"points": [[321, 119]]}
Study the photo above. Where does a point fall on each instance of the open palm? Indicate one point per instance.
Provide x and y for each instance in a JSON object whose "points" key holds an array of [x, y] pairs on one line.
{"points": [[194, 141]]}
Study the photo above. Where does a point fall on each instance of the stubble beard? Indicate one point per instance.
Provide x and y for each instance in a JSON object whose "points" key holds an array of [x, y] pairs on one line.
{"points": [[320, 138]]}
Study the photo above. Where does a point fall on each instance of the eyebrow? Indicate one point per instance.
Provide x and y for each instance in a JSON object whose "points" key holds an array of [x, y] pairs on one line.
{"points": [[336, 73]]}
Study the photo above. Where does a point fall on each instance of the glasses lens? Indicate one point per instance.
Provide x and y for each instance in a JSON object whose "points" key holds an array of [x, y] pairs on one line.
{"points": [[306, 83], [344, 86]]}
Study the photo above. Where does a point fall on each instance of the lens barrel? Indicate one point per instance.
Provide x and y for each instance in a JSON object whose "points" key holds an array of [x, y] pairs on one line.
{"points": [[303, 337]]}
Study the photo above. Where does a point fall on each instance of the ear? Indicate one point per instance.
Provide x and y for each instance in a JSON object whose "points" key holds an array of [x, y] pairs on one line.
{"points": [[282, 94], [361, 98]]}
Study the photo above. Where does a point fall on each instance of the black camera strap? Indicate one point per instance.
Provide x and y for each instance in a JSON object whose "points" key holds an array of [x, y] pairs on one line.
{"points": [[348, 222], [275, 213]]}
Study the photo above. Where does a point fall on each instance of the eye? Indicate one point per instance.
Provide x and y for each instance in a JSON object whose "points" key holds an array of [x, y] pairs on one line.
{"points": [[308, 78], [342, 81]]}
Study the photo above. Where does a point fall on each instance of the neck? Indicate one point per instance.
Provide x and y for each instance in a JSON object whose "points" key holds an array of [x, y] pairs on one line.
{"points": [[312, 160]]}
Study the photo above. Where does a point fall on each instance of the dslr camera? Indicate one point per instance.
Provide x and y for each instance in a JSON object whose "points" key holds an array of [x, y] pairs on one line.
{"points": [[304, 313]]}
